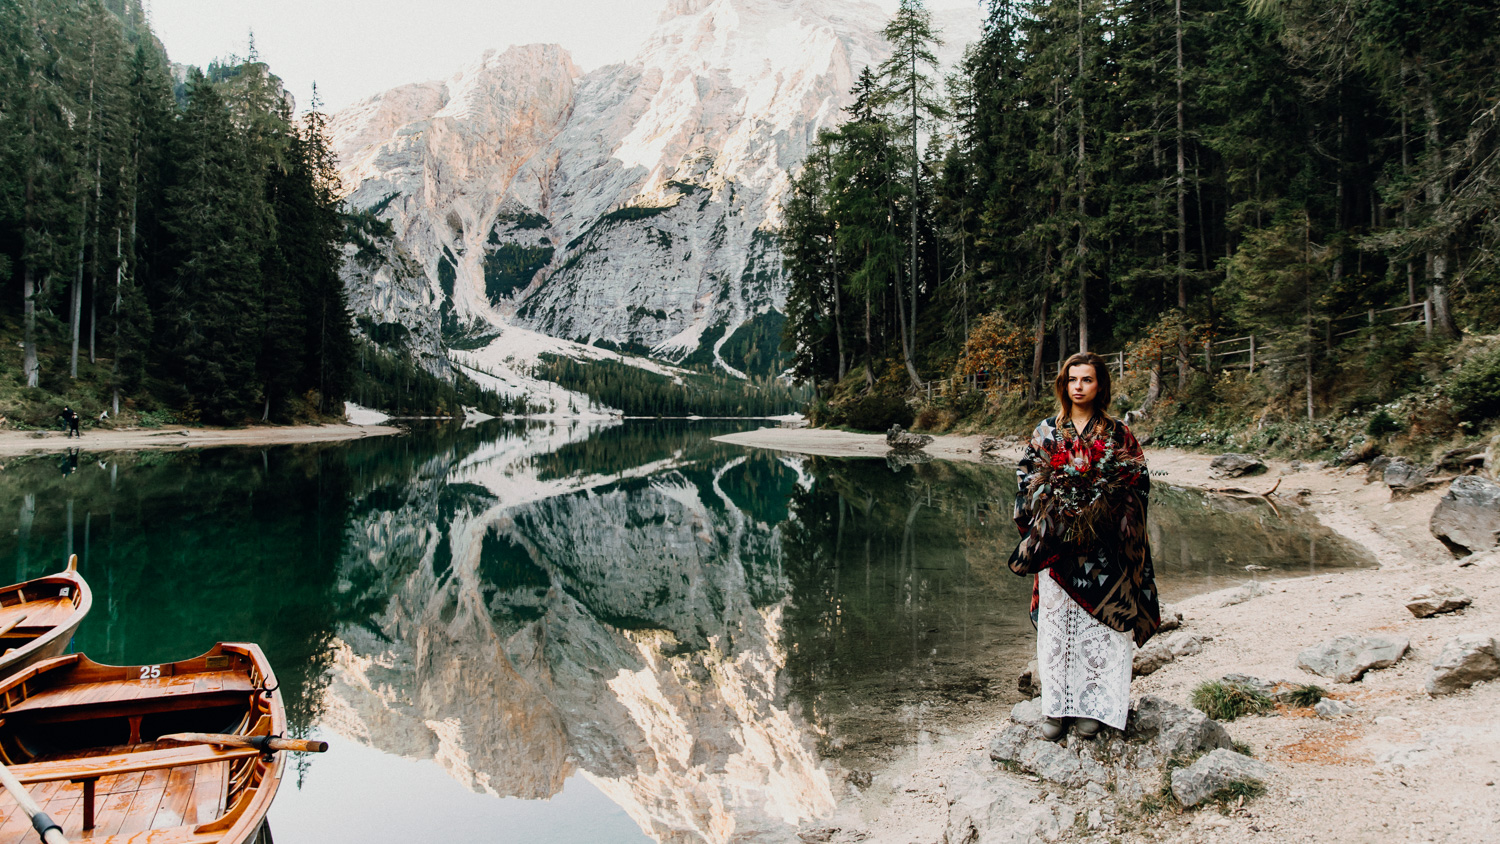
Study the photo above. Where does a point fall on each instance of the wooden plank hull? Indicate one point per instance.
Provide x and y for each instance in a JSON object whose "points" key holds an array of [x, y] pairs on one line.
{"points": [[86, 739], [42, 616]]}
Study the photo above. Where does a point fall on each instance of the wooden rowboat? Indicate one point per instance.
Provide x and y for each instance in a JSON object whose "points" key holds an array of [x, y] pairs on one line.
{"points": [[120, 754], [38, 617]]}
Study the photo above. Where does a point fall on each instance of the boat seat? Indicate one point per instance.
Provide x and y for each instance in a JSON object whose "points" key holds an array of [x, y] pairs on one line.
{"points": [[89, 767], [44, 613], [126, 698]]}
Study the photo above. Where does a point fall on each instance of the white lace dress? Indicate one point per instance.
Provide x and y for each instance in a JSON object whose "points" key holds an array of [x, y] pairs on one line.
{"points": [[1084, 665]]}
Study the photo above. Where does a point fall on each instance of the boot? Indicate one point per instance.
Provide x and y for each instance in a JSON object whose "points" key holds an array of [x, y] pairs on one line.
{"points": [[1053, 729], [1088, 728]]}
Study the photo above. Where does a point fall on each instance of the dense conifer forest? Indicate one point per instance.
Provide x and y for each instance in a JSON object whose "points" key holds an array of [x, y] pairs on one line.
{"points": [[1281, 210], [171, 240]]}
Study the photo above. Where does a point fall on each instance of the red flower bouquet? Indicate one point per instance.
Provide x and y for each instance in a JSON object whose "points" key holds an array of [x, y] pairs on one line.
{"points": [[1077, 487]]}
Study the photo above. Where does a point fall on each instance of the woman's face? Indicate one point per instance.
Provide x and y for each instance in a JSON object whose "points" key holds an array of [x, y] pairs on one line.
{"points": [[1083, 386]]}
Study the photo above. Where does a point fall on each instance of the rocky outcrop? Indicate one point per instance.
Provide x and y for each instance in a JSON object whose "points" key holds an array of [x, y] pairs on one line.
{"points": [[1464, 661], [1130, 762], [1433, 600], [1218, 770], [1331, 708], [1404, 477], [1234, 466], [1347, 657], [902, 441], [1467, 517], [636, 204], [1164, 649]]}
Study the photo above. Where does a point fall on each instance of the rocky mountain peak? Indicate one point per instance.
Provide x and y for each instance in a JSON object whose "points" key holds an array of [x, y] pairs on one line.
{"points": [[635, 205]]}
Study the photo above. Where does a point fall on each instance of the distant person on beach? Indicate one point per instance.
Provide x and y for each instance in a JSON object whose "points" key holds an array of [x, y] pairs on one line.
{"points": [[70, 419], [1081, 510]]}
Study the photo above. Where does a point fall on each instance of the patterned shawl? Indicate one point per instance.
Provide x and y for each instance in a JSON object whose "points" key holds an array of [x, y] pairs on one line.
{"points": [[1113, 581]]}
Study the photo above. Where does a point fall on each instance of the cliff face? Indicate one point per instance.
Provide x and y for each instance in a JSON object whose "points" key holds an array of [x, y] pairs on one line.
{"points": [[636, 204], [532, 622]]}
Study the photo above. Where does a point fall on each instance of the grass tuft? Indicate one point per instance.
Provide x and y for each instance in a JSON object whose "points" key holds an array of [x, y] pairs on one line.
{"points": [[1306, 695], [1225, 702], [1236, 791]]}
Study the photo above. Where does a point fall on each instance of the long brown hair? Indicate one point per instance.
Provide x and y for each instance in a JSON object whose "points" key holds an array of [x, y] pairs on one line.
{"points": [[1101, 374]]}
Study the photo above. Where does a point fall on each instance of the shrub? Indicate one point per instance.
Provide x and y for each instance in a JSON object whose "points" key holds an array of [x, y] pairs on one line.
{"points": [[1475, 388], [878, 412], [1382, 423], [1226, 702]]}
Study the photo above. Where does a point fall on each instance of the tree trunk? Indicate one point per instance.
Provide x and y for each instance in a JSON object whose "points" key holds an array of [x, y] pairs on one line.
{"points": [[94, 269], [1436, 191], [869, 346], [119, 301], [916, 163], [1034, 385], [83, 221], [1083, 276], [29, 362], [1153, 390], [1182, 350]]}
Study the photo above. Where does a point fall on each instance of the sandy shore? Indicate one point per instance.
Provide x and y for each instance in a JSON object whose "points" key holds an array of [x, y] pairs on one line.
{"points": [[135, 439], [1405, 767]]}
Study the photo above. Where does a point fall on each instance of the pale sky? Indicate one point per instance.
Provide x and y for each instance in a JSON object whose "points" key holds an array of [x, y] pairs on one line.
{"points": [[355, 48]]}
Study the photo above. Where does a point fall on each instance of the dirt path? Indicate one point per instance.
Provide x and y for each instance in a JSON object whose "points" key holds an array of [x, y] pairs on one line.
{"points": [[135, 439], [1405, 767]]}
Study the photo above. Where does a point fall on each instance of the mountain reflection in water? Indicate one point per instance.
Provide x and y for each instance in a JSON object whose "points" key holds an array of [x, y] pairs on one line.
{"points": [[707, 634]]}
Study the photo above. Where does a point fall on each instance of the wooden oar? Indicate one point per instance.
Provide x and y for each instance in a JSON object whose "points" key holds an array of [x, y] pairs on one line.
{"points": [[12, 624], [263, 743], [44, 825]]}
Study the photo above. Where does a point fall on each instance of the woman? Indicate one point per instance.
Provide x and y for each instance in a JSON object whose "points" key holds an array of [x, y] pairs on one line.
{"points": [[1093, 600]]}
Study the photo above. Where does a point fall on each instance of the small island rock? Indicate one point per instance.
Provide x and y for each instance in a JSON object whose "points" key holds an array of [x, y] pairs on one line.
{"points": [[1234, 466], [901, 440]]}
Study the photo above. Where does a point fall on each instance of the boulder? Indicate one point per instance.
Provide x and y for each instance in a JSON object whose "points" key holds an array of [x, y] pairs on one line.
{"points": [[1358, 453], [991, 444], [1467, 517], [1220, 769], [901, 440], [1376, 470], [1170, 620], [1251, 684], [1028, 713], [1183, 643], [1174, 730], [1330, 708], [1404, 477], [1234, 466], [1152, 657], [1029, 683], [1431, 600], [1466, 659], [1346, 658]]}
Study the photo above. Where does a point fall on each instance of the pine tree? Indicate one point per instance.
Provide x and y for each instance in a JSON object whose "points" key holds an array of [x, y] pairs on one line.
{"points": [[909, 90]]}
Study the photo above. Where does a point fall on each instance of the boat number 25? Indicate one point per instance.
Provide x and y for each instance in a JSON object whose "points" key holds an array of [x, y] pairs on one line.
{"points": [[150, 672]]}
